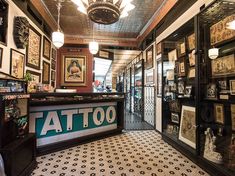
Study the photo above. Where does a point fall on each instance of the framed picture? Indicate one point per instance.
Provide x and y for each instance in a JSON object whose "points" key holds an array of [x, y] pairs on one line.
{"points": [[175, 117], [53, 53], [159, 48], [175, 106], [187, 132], [169, 129], [36, 77], [192, 58], [223, 85], [1, 55], [33, 57], [223, 66], [45, 72], [181, 87], [211, 92], [233, 116], [172, 55], [74, 69], [219, 113], [149, 58], [181, 48], [188, 91], [182, 69], [149, 77], [159, 78], [46, 48], [52, 75], [232, 87], [191, 41], [170, 75], [17, 64], [53, 64], [191, 73]]}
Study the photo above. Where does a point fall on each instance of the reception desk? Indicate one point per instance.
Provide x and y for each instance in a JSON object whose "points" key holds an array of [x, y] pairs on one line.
{"points": [[62, 120]]}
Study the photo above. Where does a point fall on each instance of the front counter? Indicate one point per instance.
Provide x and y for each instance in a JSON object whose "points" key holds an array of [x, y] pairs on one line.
{"points": [[62, 120]]}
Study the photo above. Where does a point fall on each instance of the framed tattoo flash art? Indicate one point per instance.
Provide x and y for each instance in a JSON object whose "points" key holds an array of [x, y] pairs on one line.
{"points": [[233, 116], [175, 117], [191, 41], [36, 77], [45, 73], [232, 87], [219, 113], [74, 71], [211, 92], [17, 64], [46, 48], [53, 53], [33, 58], [159, 48], [149, 58]]}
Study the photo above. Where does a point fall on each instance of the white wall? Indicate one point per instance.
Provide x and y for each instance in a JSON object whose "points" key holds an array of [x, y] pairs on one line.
{"points": [[15, 11], [189, 14]]}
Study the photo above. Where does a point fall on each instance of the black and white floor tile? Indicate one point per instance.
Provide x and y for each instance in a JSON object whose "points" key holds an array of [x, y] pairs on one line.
{"points": [[131, 153]]}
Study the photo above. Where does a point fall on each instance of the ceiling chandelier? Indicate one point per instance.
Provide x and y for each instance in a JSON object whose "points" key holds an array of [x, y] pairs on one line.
{"points": [[104, 11]]}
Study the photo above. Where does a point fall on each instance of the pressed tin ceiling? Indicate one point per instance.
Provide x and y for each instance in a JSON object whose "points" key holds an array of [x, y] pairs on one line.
{"points": [[75, 23]]}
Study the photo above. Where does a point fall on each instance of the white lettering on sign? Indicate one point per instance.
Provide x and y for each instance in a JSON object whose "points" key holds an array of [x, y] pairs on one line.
{"points": [[85, 113], [69, 114], [51, 117], [95, 116], [108, 112], [32, 120]]}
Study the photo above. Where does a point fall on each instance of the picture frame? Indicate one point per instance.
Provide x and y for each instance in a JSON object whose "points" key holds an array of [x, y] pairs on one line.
{"points": [[46, 48], [223, 84], [33, 49], [181, 48], [74, 69], [188, 91], [211, 91], [192, 58], [191, 73], [175, 118], [159, 78], [232, 87], [223, 66], [53, 64], [172, 56], [191, 41], [181, 87], [17, 64], [36, 77], [1, 55], [182, 67], [45, 72], [169, 129], [233, 116], [53, 53], [175, 106], [219, 113], [52, 75], [149, 58], [170, 75], [159, 48], [149, 77], [187, 133]]}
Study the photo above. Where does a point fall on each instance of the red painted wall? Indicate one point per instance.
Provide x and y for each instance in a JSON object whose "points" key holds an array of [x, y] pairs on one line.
{"points": [[75, 51]]}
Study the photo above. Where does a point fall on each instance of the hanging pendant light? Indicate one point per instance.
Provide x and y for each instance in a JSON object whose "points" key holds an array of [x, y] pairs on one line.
{"points": [[58, 36]]}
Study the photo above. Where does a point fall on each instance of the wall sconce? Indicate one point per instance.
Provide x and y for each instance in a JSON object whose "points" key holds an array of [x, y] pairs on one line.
{"points": [[213, 53]]}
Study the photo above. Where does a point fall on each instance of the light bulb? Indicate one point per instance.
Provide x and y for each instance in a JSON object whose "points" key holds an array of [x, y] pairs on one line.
{"points": [[93, 47], [58, 39]]}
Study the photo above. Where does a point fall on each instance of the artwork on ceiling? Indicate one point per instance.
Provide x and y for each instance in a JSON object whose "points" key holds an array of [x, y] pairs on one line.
{"points": [[33, 58], [46, 48], [1, 55], [149, 58], [21, 32], [17, 64], [191, 41], [188, 126], [223, 66], [219, 113], [45, 72], [74, 69], [219, 31]]}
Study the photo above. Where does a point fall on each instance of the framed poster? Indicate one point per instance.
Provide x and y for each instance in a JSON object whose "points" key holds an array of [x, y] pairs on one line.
{"points": [[211, 92], [46, 48], [1, 55], [232, 87], [149, 77], [170, 75], [181, 48], [53, 53], [45, 72], [172, 55], [17, 64], [182, 69], [191, 73], [181, 87], [188, 91], [187, 132], [223, 84], [223, 66], [149, 58], [219, 113], [192, 58], [159, 78], [159, 48], [191, 41], [74, 69], [36, 77], [175, 117], [52, 75], [33, 57], [53, 64], [233, 116]]}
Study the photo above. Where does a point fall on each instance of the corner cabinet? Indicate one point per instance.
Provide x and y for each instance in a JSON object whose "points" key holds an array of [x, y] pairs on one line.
{"points": [[198, 102]]}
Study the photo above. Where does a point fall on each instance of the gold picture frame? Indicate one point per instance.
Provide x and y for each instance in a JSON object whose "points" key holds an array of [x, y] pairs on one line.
{"points": [[17, 64], [149, 58], [219, 113], [191, 41], [46, 48], [74, 71], [181, 48], [45, 72]]}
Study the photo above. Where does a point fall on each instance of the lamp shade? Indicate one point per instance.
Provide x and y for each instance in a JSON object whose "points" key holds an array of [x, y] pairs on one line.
{"points": [[58, 39], [93, 47], [213, 53]]}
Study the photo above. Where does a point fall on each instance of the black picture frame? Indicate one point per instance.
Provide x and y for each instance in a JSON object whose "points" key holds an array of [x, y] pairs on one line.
{"points": [[211, 91], [1, 55], [45, 72], [15, 64], [46, 48], [175, 118]]}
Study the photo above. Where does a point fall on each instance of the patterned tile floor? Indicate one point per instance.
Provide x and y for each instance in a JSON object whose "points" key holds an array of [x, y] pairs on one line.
{"points": [[131, 153]]}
